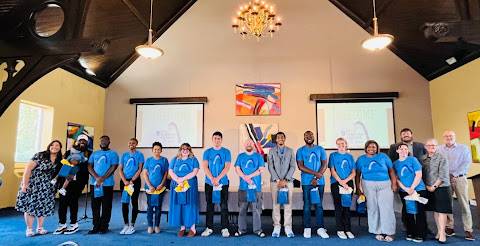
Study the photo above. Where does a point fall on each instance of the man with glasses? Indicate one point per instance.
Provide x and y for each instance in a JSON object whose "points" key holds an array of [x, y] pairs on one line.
{"points": [[459, 160]]}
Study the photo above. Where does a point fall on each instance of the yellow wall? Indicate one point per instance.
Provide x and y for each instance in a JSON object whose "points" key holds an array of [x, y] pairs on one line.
{"points": [[452, 96], [73, 100]]}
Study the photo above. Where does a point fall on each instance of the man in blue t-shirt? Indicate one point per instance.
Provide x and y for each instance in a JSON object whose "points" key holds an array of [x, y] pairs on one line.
{"points": [[216, 163], [130, 168], [101, 166], [249, 167], [312, 162]]}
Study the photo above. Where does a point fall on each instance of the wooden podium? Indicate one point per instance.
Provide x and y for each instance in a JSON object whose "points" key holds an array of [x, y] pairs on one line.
{"points": [[476, 188]]}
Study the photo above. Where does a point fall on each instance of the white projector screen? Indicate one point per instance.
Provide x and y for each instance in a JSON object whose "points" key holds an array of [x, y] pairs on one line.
{"points": [[356, 121], [169, 124]]}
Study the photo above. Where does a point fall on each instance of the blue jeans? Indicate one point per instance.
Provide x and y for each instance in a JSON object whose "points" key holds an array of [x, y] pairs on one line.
{"points": [[157, 210], [307, 213]]}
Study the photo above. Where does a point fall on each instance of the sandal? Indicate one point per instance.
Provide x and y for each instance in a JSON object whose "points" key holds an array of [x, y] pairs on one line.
{"points": [[181, 233], [380, 237], [41, 231], [388, 238], [261, 234], [239, 233], [29, 232], [191, 233]]}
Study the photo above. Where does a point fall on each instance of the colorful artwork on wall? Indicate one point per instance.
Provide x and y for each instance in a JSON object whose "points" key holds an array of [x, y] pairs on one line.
{"points": [[258, 99], [261, 134], [474, 130], [76, 131]]}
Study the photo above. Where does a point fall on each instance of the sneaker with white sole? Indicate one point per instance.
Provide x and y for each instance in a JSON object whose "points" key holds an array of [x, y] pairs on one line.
{"points": [[71, 229], [342, 235], [289, 232], [350, 235], [307, 233], [276, 231], [125, 228], [225, 232], [60, 229], [29, 232], [53, 182], [207, 232], [322, 233], [130, 230]]}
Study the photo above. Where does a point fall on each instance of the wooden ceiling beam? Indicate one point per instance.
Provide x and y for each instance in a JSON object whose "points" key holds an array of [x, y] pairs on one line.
{"points": [[136, 12]]}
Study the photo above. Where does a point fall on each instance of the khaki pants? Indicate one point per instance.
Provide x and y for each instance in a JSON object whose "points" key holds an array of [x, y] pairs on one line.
{"points": [[461, 190], [287, 208]]}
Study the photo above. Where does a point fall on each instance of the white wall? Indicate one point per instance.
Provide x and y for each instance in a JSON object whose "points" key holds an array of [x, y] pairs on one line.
{"points": [[317, 51]]}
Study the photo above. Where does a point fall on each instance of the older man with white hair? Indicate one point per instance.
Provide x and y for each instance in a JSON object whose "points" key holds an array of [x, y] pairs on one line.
{"points": [[459, 160]]}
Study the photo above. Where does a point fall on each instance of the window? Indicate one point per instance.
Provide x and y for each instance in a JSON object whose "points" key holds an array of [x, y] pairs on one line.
{"points": [[34, 130]]}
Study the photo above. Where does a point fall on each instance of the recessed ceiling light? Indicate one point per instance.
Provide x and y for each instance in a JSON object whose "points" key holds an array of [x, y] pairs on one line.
{"points": [[451, 60]]}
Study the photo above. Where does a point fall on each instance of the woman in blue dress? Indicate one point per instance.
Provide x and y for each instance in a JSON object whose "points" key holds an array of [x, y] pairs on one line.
{"points": [[184, 206]]}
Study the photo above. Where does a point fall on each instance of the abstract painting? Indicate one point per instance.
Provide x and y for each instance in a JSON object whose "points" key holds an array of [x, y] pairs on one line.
{"points": [[261, 134], [258, 99], [75, 130], [474, 130]]}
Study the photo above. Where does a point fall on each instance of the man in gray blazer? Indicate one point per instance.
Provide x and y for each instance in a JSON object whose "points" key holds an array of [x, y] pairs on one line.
{"points": [[281, 165]]}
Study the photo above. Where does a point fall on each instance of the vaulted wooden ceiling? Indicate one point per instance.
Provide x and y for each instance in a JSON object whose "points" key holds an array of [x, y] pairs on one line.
{"points": [[427, 32], [100, 35]]}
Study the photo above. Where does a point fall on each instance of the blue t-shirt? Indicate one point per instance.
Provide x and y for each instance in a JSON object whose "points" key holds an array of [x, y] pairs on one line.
{"points": [[249, 164], [183, 167], [156, 170], [101, 161], [406, 170], [216, 163], [374, 168], [131, 162], [342, 163], [312, 158]]}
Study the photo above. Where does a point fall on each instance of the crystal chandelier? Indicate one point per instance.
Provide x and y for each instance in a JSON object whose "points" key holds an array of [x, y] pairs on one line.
{"points": [[256, 18]]}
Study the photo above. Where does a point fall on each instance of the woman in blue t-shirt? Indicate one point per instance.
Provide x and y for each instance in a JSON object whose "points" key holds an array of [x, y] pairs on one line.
{"points": [[342, 168], [184, 204], [376, 179], [155, 172], [409, 179]]}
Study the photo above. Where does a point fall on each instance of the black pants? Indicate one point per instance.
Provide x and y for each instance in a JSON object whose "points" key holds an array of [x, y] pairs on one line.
{"points": [[342, 214], [134, 199], [415, 223], [101, 220], [70, 200], [211, 208]]}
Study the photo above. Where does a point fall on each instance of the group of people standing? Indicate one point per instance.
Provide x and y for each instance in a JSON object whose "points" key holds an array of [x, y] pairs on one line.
{"points": [[419, 172]]}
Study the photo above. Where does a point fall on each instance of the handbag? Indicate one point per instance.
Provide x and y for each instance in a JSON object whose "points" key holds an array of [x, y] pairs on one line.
{"points": [[252, 193], [315, 196], [282, 196], [97, 191], [125, 197]]}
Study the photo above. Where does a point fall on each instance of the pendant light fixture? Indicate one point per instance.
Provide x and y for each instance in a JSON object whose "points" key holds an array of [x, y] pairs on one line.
{"points": [[377, 41], [148, 50]]}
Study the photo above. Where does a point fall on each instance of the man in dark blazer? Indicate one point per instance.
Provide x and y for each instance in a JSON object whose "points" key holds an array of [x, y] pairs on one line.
{"points": [[416, 149]]}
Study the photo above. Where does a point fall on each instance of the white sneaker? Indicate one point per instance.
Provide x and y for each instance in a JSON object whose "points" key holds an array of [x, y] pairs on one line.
{"points": [[276, 231], [53, 182], [71, 229], [60, 229], [207, 232], [307, 233], [62, 191], [289, 232], [342, 235], [322, 233], [125, 228], [350, 235], [130, 230], [225, 232]]}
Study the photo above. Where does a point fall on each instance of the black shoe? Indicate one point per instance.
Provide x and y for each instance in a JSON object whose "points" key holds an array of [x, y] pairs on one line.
{"points": [[103, 231], [94, 231]]}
